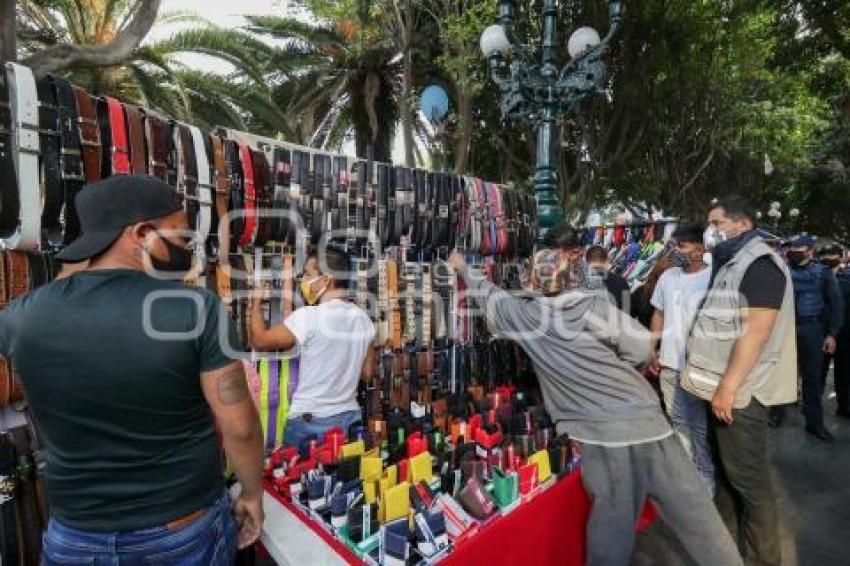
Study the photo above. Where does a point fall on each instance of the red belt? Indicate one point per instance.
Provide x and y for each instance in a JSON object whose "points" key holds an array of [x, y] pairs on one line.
{"points": [[250, 201], [118, 128]]}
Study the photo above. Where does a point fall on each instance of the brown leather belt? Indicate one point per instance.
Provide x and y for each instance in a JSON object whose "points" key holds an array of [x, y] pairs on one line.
{"points": [[136, 134], [89, 135], [221, 184], [17, 273], [156, 131], [186, 520]]}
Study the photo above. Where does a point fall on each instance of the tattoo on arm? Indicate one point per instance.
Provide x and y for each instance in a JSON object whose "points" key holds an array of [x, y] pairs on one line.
{"points": [[233, 387]]}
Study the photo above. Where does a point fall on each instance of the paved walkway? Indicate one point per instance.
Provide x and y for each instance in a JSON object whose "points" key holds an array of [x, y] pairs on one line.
{"points": [[812, 481]]}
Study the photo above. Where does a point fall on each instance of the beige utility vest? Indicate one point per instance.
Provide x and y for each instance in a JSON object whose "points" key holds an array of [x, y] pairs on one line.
{"points": [[719, 323]]}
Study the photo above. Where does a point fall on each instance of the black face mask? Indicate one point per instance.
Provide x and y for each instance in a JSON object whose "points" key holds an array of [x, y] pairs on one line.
{"points": [[831, 262], [179, 258], [679, 259], [796, 258]]}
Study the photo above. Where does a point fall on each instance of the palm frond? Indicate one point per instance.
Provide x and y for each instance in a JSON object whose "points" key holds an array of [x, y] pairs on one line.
{"points": [[237, 48], [319, 37]]}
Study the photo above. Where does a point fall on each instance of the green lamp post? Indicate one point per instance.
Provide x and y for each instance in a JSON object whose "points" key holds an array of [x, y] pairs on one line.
{"points": [[541, 92]]}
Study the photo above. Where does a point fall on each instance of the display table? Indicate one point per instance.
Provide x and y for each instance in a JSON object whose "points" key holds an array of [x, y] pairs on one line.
{"points": [[549, 529]]}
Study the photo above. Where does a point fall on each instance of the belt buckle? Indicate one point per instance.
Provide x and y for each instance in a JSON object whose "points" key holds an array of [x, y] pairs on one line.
{"points": [[307, 417]]}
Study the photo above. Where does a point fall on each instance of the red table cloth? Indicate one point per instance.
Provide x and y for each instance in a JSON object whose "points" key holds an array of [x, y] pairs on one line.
{"points": [[549, 529]]}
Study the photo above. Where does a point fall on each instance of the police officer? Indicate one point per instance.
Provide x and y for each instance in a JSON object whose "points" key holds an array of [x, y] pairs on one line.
{"points": [[842, 343], [829, 254], [819, 316]]}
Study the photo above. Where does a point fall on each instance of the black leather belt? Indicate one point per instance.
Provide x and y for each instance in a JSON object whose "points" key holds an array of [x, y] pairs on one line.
{"points": [[282, 225], [361, 224], [51, 178], [70, 156], [383, 202], [10, 206], [262, 195], [171, 157], [425, 212], [234, 172], [188, 185], [339, 217], [320, 195], [102, 112]]}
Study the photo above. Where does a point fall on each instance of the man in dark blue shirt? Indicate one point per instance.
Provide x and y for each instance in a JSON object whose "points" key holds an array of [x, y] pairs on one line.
{"points": [[126, 374], [819, 316]]}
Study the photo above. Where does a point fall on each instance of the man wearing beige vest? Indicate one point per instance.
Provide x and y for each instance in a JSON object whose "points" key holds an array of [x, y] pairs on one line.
{"points": [[741, 358]]}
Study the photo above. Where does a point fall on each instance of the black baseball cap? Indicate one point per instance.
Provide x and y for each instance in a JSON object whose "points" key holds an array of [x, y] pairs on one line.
{"points": [[107, 207]]}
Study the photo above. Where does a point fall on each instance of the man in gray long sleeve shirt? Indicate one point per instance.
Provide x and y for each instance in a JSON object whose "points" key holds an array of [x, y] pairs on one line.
{"points": [[584, 351]]}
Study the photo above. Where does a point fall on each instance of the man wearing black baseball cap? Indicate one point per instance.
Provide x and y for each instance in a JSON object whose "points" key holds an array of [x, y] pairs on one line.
{"points": [[125, 373]]}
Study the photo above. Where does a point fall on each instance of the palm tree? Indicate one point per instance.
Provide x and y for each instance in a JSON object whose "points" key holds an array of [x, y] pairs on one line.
{"points": [[337, 75], [152, 74]]}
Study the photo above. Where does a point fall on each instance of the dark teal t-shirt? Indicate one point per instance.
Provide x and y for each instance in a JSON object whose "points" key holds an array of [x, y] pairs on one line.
{"points": [[111, 361]]}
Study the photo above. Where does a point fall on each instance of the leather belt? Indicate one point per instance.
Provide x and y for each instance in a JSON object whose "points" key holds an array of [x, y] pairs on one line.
{"points": [[249, 230], [204, 191], [51, 178], [219, 223], [497, 207], [424, 212], [382, 306], [136, 135], [382, 183], [340, 186], [361, 221], [24, 104], [234, 173], [120, 149], [282, 225], [320, 194], [172, 153], [10, 205], [262, 197], [371, 202], [70, 156], [187, 171], [17, 274], [89, 133], [488, 240], [394, 340], [398, 205], [156, 134], [288, 283], [101, 109]]}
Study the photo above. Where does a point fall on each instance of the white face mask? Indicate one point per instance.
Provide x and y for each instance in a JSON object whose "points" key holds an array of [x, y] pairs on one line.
{"points": [[712, 237]]}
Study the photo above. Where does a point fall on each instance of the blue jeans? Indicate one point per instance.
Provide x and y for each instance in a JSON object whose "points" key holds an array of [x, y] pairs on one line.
{"points": [[209, 540], [297, 429], [689, 415]]}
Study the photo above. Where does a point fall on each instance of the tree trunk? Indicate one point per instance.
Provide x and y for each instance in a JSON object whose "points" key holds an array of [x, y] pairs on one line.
{"points": [[114, 52], [406, 106], [463, 137], [7, 31]]}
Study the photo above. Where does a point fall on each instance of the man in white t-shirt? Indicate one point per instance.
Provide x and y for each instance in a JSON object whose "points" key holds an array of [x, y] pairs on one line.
{"points": [[677, 298], [333, 337]]}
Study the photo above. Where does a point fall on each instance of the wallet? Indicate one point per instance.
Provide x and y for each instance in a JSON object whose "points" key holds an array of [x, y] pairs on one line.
{"points": [[363, 522], [475, 499], [541, 460], [505, 488], [395, 503], [430, 530], [353, 449], [420, 468]]}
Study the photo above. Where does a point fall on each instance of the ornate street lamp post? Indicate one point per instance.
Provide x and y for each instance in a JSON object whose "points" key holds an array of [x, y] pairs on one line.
{"points": [[541, 93]]}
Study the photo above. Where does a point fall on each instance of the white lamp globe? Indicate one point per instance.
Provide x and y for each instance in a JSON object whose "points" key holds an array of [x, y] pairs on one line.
{"points": [[794, 212], [494, 40], [775, 205], [581, 40]]}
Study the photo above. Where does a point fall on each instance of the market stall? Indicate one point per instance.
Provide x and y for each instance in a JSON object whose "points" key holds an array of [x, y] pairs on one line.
{"points": [[456, 454]]}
